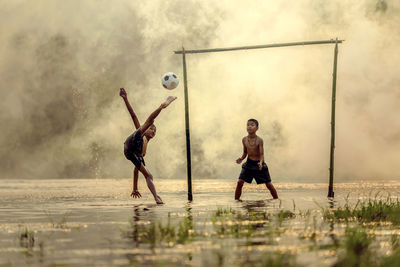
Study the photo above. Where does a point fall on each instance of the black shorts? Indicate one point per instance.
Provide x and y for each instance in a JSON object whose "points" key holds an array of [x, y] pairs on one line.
{"points": [[136, 159], [251, 170]]}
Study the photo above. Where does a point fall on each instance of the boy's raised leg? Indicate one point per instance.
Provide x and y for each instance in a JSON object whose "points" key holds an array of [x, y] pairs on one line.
{"points": [[238, 191], [272, 190]]}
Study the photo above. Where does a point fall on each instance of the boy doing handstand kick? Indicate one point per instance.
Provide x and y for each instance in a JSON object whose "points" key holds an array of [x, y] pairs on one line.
{"points": [[136, 144], [254, 167]]}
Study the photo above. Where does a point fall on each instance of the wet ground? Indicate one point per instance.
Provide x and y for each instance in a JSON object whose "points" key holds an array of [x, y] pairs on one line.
{"points": [[94, 222]]}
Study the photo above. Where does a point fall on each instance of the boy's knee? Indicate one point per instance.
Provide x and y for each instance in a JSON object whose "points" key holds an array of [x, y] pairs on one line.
{"points": [[240, 183], [149, 177], [269, 185]]}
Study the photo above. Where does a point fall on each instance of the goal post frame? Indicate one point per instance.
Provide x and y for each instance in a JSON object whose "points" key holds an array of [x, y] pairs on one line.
{"points": [[184, 52]]}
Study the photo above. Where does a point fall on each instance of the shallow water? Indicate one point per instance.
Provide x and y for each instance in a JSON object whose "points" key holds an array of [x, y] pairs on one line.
{"points": [[83, 221]]}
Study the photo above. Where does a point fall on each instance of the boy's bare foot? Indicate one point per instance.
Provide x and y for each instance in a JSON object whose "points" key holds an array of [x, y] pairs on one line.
{"points": [[168, 101], [158, 200]]}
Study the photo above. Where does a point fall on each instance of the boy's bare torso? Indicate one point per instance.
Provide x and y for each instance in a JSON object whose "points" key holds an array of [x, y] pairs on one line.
{"points": [[252, 145]]}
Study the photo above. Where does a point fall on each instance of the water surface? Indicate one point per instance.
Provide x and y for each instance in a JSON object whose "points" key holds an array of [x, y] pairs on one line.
{"points": [[83, 221]]}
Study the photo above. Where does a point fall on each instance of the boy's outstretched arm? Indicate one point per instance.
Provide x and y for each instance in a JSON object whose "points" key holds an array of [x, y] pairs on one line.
{"points": [[239, 160], [124, 96], [150, 119], [135, 193]]}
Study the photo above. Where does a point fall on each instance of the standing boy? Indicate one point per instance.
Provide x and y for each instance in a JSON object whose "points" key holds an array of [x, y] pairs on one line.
{"points": [[136, 144], [254, 167]]}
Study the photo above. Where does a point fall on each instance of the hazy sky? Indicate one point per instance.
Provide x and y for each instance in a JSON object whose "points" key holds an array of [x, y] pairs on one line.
{"points": [[62, 64]]}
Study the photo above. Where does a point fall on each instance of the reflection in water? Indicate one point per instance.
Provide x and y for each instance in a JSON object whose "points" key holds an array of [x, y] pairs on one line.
{"points": [[254, 205], [332, 235], [251, 205], [189, 216], [136, 219]]}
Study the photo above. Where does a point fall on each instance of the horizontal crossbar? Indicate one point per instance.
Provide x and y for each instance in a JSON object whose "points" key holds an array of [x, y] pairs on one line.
{"points": [[257, 47]]}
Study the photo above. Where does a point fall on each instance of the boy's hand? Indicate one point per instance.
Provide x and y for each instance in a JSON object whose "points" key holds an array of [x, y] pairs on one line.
{"points": [[122, 93], [168, 101], [260, 165], [239, 160], [136, 194]]}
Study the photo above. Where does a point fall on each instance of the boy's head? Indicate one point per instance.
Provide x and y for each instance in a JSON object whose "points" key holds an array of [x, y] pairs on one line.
{"points": [[150, 132], [252, 126]]}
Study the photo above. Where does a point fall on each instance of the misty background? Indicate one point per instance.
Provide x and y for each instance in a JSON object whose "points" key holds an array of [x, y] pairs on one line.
{"points": [[62, 64]]}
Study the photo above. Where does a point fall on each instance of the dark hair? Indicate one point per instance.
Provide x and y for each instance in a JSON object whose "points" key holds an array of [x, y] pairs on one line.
{"points": [[254, 120]]}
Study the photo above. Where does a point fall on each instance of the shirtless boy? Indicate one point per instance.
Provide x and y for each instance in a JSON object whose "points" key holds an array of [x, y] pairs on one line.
{"points": [[136, 144], [254, 167]]}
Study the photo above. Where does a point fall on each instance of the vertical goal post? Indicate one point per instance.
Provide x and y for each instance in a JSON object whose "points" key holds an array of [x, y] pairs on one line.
{"points": [[333, 109]]}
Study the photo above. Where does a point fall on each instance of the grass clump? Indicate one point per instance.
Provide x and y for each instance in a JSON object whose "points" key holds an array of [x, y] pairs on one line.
{"points": [[185, 230], [395, 242], [233, 223], [27, 238], [391, 260], [366, 211], [357, 249], [394, 258], [272, 259], [158, 233], [284, 214], [279, 259], [224, 212], [60, 223]]}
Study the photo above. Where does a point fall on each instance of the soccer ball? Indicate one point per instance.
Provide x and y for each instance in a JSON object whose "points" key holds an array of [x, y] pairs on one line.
{"points": [[170, 80]]}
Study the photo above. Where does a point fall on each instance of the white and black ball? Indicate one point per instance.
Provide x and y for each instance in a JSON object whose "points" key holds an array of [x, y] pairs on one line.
{"points": [[170, 80]]}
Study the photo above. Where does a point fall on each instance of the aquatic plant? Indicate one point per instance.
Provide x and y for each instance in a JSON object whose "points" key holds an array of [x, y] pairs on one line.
{"points": [[271, 259], [284, 214], [220, 258], [27, 238], [371, 210], [158, 233], [395, 241], [257, 216], [249, 259], [148, 234], [167, 232], [55, 264], [309, 233], [234, 228], [223, 212], [185, 230], [357, 251], [61, 223], [391, 260], [229, 222], [278, 259]]}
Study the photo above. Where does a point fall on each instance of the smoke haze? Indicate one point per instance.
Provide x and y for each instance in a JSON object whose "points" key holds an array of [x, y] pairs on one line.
{"points": [[62, 64]]}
